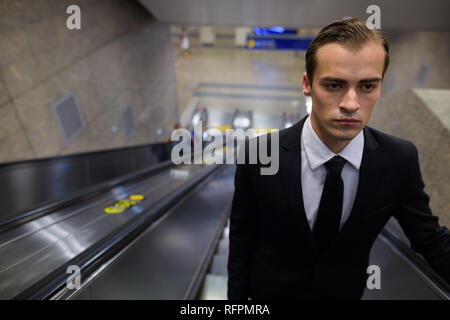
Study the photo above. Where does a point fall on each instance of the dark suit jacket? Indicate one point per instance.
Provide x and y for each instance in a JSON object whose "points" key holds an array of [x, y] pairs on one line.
{"points": [[272, 252]]}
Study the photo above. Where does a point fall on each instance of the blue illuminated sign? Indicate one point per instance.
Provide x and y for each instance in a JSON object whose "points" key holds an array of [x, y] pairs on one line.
{"points": [[273, 30], [277, 42]]}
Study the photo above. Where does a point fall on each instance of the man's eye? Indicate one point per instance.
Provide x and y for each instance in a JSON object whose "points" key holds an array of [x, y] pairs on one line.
{"points": [[333, 86], [368, 87]]}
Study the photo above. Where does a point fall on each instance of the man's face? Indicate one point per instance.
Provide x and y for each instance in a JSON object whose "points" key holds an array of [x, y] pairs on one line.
{"points": [[346, 85]]}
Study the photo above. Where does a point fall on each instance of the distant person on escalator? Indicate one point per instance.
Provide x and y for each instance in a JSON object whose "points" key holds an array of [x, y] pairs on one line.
{"points": [[184, 43]]}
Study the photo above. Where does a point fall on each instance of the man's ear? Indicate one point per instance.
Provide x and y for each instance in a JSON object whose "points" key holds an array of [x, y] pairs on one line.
{"points": [[306, 85]]}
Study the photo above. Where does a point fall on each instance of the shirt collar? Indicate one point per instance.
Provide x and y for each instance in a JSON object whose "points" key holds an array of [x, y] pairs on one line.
{"points": [[318, 153]]}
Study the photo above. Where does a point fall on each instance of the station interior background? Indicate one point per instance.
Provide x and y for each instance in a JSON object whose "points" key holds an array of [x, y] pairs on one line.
{"points": [[128, 56]]}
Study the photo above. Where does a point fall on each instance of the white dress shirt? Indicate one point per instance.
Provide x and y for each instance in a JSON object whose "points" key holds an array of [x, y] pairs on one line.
{"points": [[314, 154]]}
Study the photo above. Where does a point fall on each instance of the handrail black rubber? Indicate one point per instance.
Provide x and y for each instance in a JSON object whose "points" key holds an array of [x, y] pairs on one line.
{"points": [[419, 262], [76, 155]]}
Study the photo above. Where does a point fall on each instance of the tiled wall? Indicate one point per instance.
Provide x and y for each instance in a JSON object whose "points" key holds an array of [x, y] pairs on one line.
{"points": [[415, 105], [418, 59], [423, 117], [121, 56]]}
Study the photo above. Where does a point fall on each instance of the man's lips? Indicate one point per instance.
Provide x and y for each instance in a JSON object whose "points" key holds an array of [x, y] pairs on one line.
{"points": [[347, 121]]}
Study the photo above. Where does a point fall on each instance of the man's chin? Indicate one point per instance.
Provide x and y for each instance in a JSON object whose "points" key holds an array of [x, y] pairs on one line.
{"points": [[347, 135]]}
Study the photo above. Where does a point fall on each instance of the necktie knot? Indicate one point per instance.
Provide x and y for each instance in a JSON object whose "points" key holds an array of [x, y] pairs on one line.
{"points": [[335, 164]]}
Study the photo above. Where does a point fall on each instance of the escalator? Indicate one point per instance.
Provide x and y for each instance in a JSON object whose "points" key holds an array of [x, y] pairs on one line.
{"points": [[404, 275], [39, 245], [172, 244]]}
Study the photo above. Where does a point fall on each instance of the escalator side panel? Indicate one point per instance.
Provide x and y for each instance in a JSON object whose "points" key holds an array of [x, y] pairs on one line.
{"points": [[399, 279]]}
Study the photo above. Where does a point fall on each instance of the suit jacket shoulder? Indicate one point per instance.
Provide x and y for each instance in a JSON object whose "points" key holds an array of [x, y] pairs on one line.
{"points": [[390, 142]]}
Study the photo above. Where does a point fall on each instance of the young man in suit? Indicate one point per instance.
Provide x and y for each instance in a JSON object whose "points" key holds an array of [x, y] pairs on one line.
{"points": [[307, 231]]}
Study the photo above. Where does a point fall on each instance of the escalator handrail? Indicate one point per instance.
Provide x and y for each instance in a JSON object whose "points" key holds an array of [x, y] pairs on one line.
{"points": [[423, 269]]}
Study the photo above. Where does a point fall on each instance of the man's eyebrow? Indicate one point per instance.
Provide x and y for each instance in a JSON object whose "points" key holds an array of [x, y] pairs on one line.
{"points": [[338, 80], [333, 80], [369, 80]]}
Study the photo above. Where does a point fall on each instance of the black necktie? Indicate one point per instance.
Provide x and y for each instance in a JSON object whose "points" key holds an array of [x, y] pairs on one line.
{"points": [[328, 219]]}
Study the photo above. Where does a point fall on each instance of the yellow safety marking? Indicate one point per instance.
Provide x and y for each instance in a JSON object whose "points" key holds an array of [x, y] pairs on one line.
{"points": [[264, 130], [222, 127], [121, 205], [112, 209]]}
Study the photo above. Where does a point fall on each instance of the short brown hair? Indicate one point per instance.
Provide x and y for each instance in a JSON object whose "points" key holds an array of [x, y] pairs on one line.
{"points": [[349, 32]]}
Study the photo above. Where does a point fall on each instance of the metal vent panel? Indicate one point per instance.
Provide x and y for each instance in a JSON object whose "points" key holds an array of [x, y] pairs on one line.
{"points": [[128, 123], [68, 116]]}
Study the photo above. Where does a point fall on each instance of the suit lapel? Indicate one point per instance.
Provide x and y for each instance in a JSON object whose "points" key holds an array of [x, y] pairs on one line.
{"points": [[367, 173]]}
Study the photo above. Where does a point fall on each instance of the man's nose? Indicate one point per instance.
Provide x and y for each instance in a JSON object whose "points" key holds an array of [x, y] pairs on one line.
{"points": [[350, 101]]}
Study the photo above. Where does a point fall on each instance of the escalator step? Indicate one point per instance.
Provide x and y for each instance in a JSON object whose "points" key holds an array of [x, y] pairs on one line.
{"points": [[214, 288]]}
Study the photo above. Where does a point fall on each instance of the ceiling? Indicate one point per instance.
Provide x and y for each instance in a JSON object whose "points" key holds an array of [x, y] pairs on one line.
{"points": [[395, 14]]}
